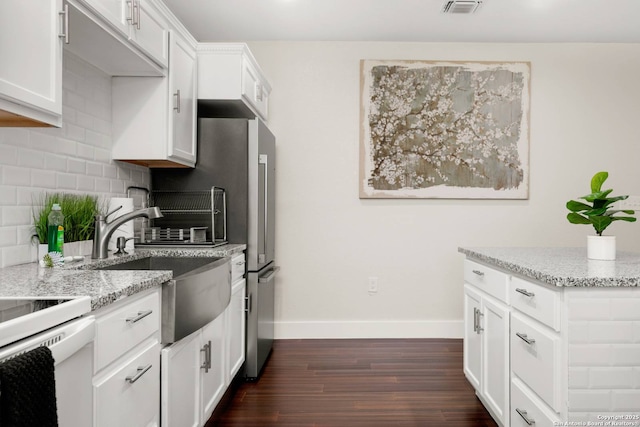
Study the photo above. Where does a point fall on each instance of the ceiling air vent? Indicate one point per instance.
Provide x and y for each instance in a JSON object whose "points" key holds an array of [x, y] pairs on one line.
{"points": [[461, 6]]}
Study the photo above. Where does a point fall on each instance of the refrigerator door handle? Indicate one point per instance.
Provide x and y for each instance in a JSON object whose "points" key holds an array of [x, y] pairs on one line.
{"points": [[264, 160], [267, 278]]}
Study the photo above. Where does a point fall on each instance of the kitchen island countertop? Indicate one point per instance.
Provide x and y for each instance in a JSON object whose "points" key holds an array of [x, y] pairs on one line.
{"points": [[562, 266], [103, 286]]}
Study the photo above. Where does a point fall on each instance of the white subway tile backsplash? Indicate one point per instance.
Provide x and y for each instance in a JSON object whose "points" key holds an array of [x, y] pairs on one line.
{"points": [[17, 176], [8, 195], [76, 166], [9, 154], [94, 169], [66, 146], [625, 355], [75, 158], [87, 183], [589, 400], [103, 185], [31, 158], [626, 309], [43, 178], [8, 236], [578, 331], [85, 151], [578, 378], [110, 171], [590, 354], [66, 181], [589, 309], [16, 215], [611, 332], [612, 377], [55, 162], [626, 401]]}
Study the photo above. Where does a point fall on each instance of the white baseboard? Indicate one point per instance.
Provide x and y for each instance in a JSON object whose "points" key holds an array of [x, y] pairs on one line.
{"points": [[368, 329]]}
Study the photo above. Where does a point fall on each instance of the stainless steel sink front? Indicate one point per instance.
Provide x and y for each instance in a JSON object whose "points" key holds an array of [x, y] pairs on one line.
{"points": [[198, 293]]}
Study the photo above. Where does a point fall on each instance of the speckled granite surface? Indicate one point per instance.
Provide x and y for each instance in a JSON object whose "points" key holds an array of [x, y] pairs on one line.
{"points": [[104, 287], [562, 266]]}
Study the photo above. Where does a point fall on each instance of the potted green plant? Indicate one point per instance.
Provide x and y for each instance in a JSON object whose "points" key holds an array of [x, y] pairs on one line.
{"points": [[79, 218], [600, 213]]}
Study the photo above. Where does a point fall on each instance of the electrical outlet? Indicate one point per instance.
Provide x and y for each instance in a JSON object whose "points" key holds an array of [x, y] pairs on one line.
{"points": [[373, 285], [632, 202]]}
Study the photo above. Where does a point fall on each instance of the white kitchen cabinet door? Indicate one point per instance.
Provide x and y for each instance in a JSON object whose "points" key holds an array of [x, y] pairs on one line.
{"points": [[182, 90], [235, 331], [148, 129], [127, 393], [139, 22], [494, 321], [180, 389], [213, 376], [31, 63], [472, 343]]}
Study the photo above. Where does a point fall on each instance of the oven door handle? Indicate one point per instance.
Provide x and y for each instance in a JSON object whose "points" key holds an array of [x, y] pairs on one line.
{"points": [[82, 334]]}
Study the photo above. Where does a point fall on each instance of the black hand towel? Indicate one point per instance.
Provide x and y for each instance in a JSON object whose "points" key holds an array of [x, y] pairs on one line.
{"points": [[28, 390]]}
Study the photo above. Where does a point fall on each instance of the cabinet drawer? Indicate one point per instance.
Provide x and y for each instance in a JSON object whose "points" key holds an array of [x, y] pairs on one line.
{"points": [[493, 282], [122, 329], [539, 302], [128, 394], [535, 358], [237, 267], [526, 409]]}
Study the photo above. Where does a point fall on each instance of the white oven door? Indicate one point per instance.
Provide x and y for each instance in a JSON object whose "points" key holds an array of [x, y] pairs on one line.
{"points": [[71, 345]]}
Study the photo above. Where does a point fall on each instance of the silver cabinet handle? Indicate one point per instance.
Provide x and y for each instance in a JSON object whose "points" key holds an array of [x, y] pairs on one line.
{"points": [[177, 96], [525, 338], [258, 92], [525, 292], [247, 303], [240, 263], [206, 365], [131, 18], [140, 372], [480, 328], [523, 414], [478, 272], [475, 319], [141, 315], [136, 8], [65, 24]]}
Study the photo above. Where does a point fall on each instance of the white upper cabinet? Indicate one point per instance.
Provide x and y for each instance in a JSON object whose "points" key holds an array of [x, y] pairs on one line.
{"points": [[154, 119], [140, 22], [230, 82], [31, 63]]}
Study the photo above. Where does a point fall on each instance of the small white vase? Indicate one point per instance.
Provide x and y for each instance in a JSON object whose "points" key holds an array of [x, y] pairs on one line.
{"points": [[601, 247]]}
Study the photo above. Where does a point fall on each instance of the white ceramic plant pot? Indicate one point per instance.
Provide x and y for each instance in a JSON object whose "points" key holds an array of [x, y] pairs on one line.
{"points": [[601, 247]]}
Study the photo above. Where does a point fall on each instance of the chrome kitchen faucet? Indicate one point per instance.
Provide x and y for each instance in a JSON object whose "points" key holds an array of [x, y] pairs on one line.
{"points": [[104, 229]]}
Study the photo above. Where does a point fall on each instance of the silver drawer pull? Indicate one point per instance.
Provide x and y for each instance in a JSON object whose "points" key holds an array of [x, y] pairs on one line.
{"points": [[240, 263], [526, 339], [141, 315], [525, 292], [478, 272], [140, 372], [524, 416]]}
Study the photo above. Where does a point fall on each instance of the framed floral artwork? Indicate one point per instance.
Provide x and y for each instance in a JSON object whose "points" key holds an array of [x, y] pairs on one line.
{"points": [[436, 129]]}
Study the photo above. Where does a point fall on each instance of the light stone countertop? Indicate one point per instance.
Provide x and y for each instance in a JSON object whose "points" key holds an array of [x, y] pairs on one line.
{"points": [[562, 266], [103, 286]]}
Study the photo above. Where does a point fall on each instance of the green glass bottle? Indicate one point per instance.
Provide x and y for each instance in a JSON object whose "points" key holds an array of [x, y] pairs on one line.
{"points": [[55, 229]]}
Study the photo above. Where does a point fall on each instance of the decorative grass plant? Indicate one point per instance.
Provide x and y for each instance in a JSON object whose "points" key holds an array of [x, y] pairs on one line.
{"points": [[79, 211]]}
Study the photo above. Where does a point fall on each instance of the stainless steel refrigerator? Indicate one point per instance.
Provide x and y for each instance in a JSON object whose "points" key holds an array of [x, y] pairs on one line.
{"points": [[239, 156]]}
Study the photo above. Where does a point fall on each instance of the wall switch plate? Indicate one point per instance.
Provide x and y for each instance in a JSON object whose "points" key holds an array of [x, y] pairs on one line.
{"points": [[632, 202], [373, 285]]}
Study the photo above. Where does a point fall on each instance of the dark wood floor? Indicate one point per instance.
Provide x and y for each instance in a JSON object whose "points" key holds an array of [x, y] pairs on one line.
{"points": [[359, 383]]}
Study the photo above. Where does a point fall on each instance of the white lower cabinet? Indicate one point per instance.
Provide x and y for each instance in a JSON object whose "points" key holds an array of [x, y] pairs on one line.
{"points": [[126, 379], [212, 380], [235, 336], [486, 350]]}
